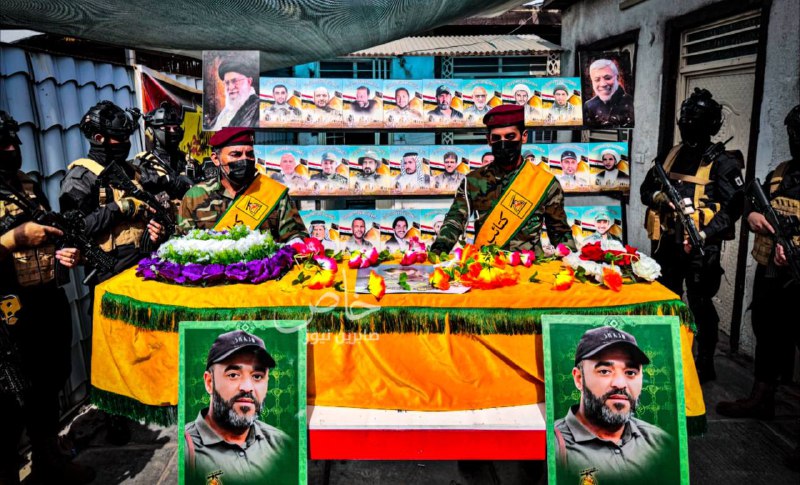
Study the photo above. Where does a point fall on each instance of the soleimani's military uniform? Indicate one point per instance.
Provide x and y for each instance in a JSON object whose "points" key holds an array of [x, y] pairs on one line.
{"points": [[205, 203], [484, 188]]}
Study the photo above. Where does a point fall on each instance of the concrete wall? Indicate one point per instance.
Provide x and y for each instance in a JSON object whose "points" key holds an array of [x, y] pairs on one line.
{"points": [[591, 21]]}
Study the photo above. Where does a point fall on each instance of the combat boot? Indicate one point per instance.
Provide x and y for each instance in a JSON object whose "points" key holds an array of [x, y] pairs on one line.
{"points": [[705, 369], [50, 466], [759, 405]]}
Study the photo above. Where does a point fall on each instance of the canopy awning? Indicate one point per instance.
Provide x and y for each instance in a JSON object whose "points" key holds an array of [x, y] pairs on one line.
{"points": [[463, 45]]}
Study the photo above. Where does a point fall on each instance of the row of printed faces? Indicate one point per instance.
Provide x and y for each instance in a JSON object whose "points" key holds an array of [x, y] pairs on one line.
{"points": [[433, 169], [429, 103], [348, 230]]}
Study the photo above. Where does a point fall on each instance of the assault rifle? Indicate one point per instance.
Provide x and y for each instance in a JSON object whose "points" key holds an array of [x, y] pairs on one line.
{"points": [[181, 181], [714, 151], [116, 177], [12, 380], [785, 227], [71, 223], [680, 208]]}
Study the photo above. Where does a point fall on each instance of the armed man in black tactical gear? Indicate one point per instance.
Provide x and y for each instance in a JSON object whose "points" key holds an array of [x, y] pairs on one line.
{"points": [[116, 221], [774, 285], [710, 181], [42, 336], [162, 168]]}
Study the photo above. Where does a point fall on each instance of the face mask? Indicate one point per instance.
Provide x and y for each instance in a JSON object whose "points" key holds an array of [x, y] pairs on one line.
{"points": [[241, 171], [506, 153], [10, 162], [169, 141], [117, 152]]}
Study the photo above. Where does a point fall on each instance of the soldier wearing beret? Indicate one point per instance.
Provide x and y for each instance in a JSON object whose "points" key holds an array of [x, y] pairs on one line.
{"points": [[206, 202], [601, 431], [228, 441], [512, 211], [241, 98]]}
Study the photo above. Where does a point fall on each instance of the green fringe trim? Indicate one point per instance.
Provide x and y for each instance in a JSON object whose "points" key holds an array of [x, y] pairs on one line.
{"points": [[696, 425], [165, 318], [113, 403]]}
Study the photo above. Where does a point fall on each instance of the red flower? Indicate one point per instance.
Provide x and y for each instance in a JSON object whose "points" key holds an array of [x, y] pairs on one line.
{"points": [[593, 252]]}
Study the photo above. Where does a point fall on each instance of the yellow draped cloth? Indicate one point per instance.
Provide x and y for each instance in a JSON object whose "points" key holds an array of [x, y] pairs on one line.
{"points": [[422, 352]]}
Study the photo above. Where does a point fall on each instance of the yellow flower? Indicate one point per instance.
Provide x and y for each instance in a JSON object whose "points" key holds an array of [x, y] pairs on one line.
{"points": [[376, 285]]}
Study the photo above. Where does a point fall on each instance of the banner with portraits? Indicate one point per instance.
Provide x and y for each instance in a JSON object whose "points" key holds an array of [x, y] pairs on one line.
{"points": [[347, 230], [614, 397], [347, 170], [245, 379]]}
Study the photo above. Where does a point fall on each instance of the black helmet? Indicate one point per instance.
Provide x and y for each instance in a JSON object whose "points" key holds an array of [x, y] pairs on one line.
{"points": [[108, 119], [700, 114], [166, 114], [8, 130]]}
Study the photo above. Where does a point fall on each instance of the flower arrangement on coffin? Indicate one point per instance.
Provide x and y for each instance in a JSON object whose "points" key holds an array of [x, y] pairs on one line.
{"points": [[486, 268], [608, 263], [317, 270], [207, 257]]}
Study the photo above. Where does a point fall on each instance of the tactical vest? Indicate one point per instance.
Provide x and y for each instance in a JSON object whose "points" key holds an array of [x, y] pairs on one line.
{"points": [[784, 206], [34, 266], [704, 210], [124, 233]]}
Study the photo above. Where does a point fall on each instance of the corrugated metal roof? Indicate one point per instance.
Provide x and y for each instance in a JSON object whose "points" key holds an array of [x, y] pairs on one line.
{"points": [[463, 45], [48, 95]]}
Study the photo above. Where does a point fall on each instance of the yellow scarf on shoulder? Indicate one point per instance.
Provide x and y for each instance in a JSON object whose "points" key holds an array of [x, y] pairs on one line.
{"points": [[254, 205], [513, 208]]}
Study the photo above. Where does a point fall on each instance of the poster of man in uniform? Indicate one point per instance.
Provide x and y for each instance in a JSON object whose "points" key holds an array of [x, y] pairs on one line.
{"points": [[230, 89], [413, 173], [610, 164], [323, 226], [607, 83], [281, 101], [568, 163], [359, 230], [402, 104], [328, 170], [430, 223], [363, 103], [321, 105], [443, 107], [536, 154], [526, 93], [478, 156], [595, 223], [397, 227], [449, 166], [480, 95], [615, 400], [242, 387], [561, 102], [287, 165], [369, 170]]}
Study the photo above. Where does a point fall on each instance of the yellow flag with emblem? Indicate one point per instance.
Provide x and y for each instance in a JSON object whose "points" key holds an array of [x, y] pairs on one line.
{"points": [[254, 205]]}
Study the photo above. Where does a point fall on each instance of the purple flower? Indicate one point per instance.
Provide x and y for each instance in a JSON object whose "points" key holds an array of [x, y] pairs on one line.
{"points": [[192, 272], [257, 270], [147, 269], [236, 271], [171, 272], [213, 272]]}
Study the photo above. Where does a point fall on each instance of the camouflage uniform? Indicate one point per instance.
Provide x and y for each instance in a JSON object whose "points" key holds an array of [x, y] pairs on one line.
{"points": [[205, 203], [484, 187], [320, 181], [448, 181]]}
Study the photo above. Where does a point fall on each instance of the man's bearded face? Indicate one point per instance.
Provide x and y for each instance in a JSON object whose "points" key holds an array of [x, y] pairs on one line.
{"points": [[611, 385], [450, 164], [327, 166], [238, 388], [321, 98], [237, 87], [609, 161], [359, 228], [479, 98], [369, 165], [521, 97], [569, 166], [280, 95], [410, 165], [287, 164], [362, 97], [444, 100], [318, 231], [402, 98], [400, 229], [604, 83]]}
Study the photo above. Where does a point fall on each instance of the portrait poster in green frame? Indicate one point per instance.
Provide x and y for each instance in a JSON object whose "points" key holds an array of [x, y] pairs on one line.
{"points": [[226, 368], [615, 400]]}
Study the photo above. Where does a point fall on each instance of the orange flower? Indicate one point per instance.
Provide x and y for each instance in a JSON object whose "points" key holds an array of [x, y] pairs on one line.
{"points": [[376, 285], [612, 279], [564, 280], [440, 280]]}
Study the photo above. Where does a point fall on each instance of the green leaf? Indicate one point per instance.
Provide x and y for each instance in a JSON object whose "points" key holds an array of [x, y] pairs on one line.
{"points": [[339, 286], [534, 278], [403, 282]]}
